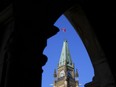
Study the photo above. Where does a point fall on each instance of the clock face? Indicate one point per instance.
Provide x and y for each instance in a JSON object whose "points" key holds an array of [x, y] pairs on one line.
{"points": [[62, 73]]}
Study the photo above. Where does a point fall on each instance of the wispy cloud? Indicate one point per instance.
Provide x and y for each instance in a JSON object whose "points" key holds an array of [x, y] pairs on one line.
{"points": [[51, 84], [80, 84]]}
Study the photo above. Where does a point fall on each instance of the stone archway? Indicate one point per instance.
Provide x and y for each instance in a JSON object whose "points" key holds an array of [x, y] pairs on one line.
{"points": [[102, 71], [81, 24]]}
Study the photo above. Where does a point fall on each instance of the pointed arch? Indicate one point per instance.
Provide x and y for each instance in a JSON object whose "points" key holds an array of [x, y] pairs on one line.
{"points": [[102, 71]]}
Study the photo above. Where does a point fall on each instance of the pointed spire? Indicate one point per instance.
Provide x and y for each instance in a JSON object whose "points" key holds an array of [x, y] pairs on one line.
{"points": [[55, 74], [65, 57], [76, 74]]}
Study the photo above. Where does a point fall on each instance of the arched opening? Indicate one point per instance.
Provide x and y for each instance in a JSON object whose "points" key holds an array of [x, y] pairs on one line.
{"points": [[101, 68], [77, 49], [21, 72], [102, 71]]}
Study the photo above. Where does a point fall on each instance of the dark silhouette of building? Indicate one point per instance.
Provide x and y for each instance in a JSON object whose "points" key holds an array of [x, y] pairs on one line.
{"points": [[25, 26]]}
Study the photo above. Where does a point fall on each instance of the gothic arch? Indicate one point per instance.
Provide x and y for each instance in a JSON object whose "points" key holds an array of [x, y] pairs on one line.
{"points": [[23, 13], [101, 67]]}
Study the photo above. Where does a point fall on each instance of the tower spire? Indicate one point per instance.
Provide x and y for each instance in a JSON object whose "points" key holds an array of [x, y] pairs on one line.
{"points": [[65, 57], [55, 74], [65, 75], [76, 74]]}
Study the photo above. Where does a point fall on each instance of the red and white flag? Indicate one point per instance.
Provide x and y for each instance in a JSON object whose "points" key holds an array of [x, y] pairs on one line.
{"points": [[63, 29]]}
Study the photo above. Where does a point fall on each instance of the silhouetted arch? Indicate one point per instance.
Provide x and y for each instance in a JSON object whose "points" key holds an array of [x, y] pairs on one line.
{"points": [[26, 15], [102, 71]]}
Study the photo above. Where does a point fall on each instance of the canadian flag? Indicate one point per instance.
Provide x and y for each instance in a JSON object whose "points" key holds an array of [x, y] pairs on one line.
{"points": [[63, 29]]}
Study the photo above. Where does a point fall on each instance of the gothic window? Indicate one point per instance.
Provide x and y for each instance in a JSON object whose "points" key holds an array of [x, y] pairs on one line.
{"points": [[69, 74]]}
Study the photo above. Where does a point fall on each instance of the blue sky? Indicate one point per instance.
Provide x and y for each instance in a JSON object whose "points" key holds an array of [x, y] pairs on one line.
{"points": [[78, 53]]}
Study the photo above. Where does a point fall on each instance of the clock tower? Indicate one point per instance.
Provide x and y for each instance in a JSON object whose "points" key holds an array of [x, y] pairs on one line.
{"points": [[65, 75]]}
